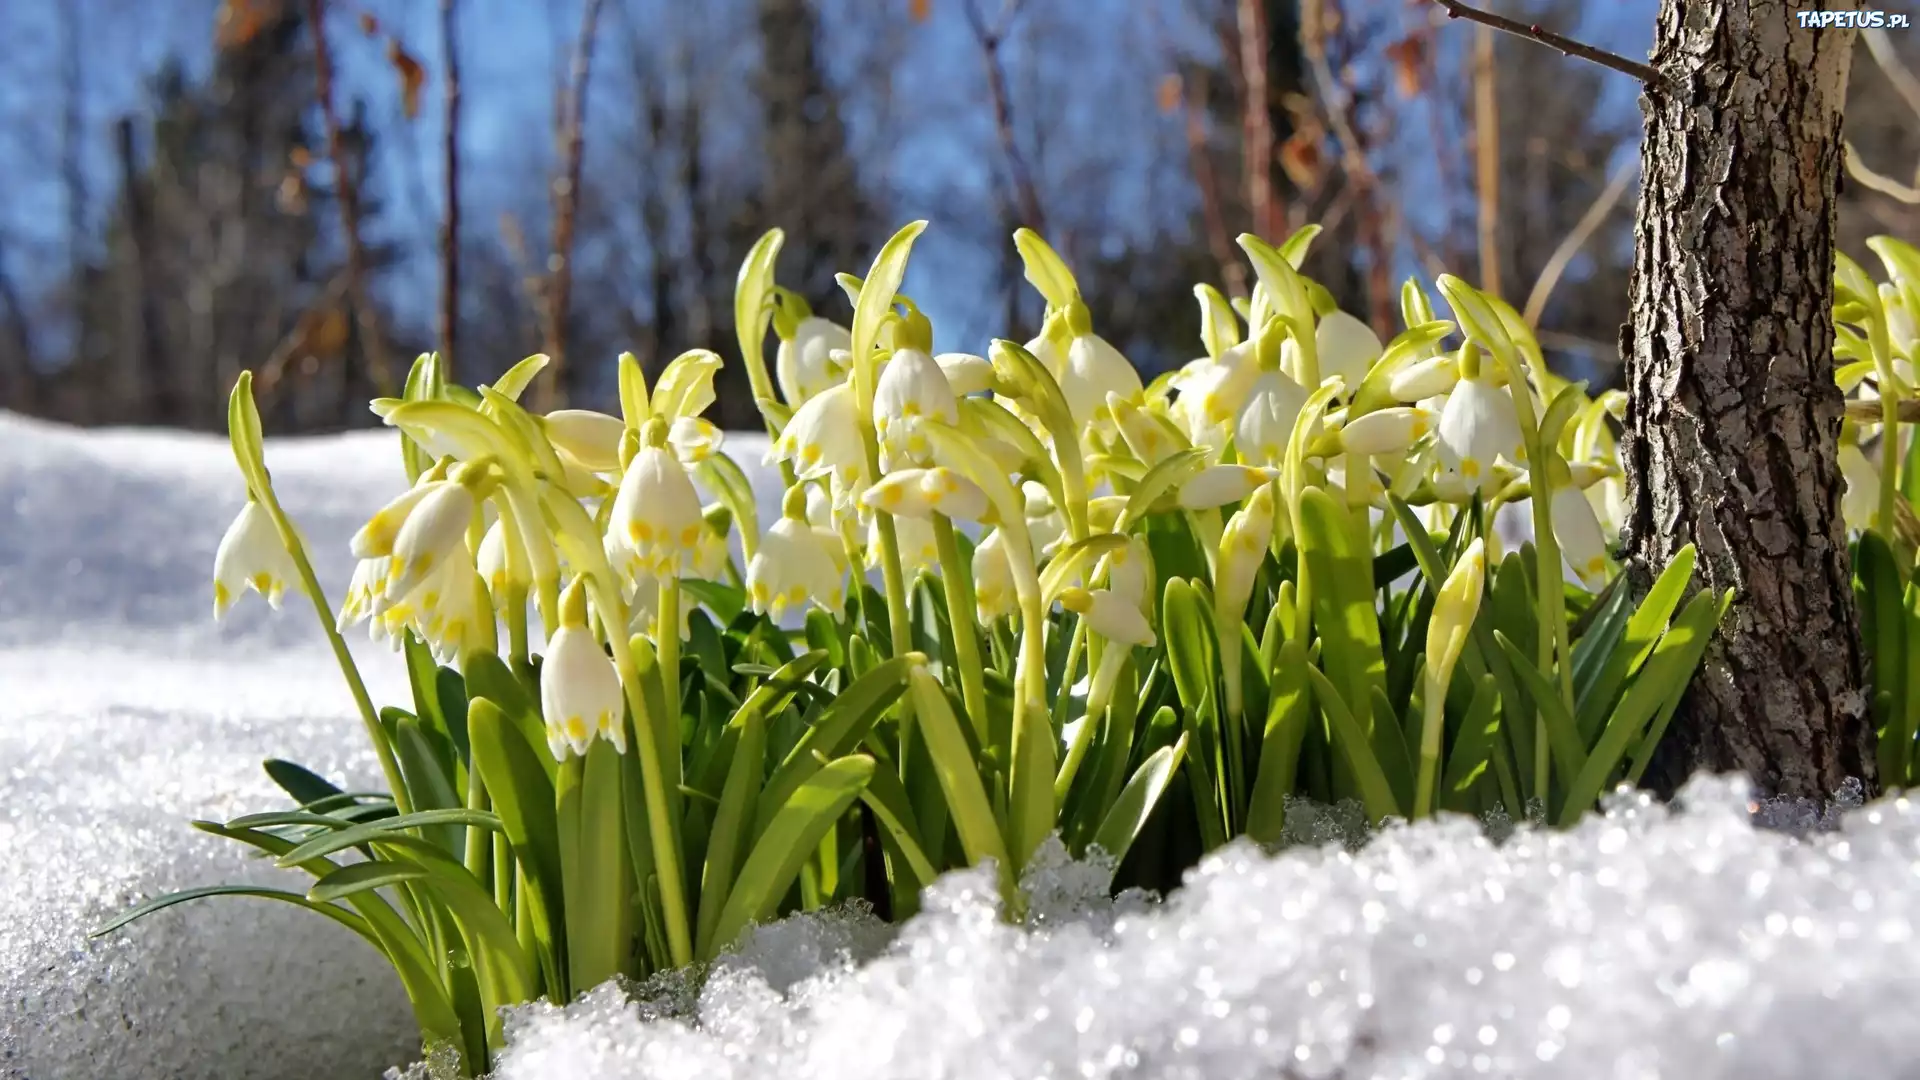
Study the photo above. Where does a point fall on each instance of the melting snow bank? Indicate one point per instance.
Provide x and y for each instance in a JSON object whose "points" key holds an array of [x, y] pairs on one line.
{"points": [[1646, 943]]}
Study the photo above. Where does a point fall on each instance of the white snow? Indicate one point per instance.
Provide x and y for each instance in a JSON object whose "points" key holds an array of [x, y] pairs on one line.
{"points": [[1647, 944]]}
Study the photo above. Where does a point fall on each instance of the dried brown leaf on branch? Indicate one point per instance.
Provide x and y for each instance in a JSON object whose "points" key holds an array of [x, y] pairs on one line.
{"points": [[368, 24], [1171, 93], [1302, 159], [322, 332], [413, 77], [1408, 58], [920, 10]]}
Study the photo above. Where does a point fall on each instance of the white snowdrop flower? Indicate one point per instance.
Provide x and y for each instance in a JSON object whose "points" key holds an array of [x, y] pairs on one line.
{"points": [[589, 437], [1576, 528], [657, 518], [1110, 615], [1046, 525], [918, 548], [1243, 547], [1218, 485], [1094, 369], [1152, 438], [643, 608], [250, 556], [1901, 331], [805, 365], [375, 539], [710, 552], [1433, 377], [432, 532], [796, 563], [1129, 570], [693, 439], [1347, 347], [1268, 418], [920, 493], [580, 694], [911, 389], [1386, 431], [965, 372], [450, 610], [364, 598], [993, 590], [1477, 427], [1861, 500], [492, 563], [823, 436], [685, 386], [819, 508]]}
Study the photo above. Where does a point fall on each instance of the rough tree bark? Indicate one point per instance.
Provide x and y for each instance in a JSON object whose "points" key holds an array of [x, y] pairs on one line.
{"points": [[1733, 411]]}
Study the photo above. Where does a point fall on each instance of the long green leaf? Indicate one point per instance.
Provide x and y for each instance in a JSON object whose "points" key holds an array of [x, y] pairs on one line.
{"points": [[836, 731], [1473, 747], [959, 776], [489, 677], [1376, 794], [790, 840], [1644, 628], [736, 814], [523, 799], [1339, 569], [1563, 739], [383, 829], [1665, 675], [1137, 801], [1288, 712]]}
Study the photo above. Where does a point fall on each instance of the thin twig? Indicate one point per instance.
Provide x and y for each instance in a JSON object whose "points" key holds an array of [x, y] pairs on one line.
{"points": [[566, 201], [450, 164], [1257, 117], [378, 368], [1571, 244], [990, 38], [1353, 159], [292, 346], [1565, 45], [1486, 155], [1881, 48]]}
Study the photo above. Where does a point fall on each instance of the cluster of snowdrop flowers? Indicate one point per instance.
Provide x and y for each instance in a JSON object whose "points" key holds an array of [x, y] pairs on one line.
{"points": [[1876, 343]]}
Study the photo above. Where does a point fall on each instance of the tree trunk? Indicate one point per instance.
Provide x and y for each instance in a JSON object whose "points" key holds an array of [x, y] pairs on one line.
{"points": [[1733, 412]]}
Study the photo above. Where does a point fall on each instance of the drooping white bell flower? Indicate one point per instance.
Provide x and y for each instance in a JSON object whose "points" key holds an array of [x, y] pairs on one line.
{"points": [[657, 519], [694, 439], [1433, 377], [451, 610], [1268, 418], [1128, 570], [374, 540], [1150, 436], [1094, 369], [804, 365], [1346, 347], [1110, 615], [1861, 500], [1386, 431], [919, 548], [1046, 525], [1576, 528], [966, 373], [580, 696], [591, 438], [796, 563], [993, 589], [911, 388], [1477, 427], [250, 556], [492, 563], [364, 598], [1218, 485], [434, 528], [921, 493], [823, 437]]}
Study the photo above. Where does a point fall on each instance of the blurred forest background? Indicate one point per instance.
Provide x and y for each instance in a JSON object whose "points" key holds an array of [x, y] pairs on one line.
{"points": [[319, 190]]}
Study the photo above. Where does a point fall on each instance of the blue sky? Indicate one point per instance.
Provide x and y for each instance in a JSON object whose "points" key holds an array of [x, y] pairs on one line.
{"points": [[514, 50]]}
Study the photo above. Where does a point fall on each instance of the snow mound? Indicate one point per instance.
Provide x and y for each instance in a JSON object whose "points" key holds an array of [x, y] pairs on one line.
{"points": [[125, 711], [1646, 943]]}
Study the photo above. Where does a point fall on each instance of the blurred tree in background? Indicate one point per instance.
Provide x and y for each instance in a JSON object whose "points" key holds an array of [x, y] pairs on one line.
{"points": [[173, 212]]}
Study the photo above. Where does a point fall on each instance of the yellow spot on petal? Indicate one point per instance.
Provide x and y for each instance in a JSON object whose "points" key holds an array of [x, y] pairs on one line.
{"points": [[689, 535], [910, 409], [576, 728], [262, 582], [1418, 428], [1469, 468], [640, 532], [811, 455], [890, 496]]}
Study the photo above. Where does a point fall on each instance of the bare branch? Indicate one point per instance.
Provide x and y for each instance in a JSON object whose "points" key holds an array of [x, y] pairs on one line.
{"points": [[1857, 169], [1353, 158], [378, 368], [566, 201], [1881, 48], [1571, 244], [1486, 153], [1219, 242], [450, 165], [1256, 118], [990, 38], [1566, 45]]}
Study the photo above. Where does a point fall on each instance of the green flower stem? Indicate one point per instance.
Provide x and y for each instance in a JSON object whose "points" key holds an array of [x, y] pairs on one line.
{"points": [[666, 846], [1889, 438], [960, 618], [310, 584], [666, 641], [1099, 697], [516, 616], [479, 841]]}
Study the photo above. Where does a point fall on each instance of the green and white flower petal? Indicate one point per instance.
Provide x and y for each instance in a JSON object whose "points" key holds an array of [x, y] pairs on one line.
{"points": [[805, 365], [657, 518], [375, 538], [911, 389], [1094, 369], [1267, 421], [1346, 347], [580, 691], [1576, 528], [1436, 376], [1218, 485], [591, 438], [823, 436], [434, 530], [994, 596], [797, 564], [966, 373], [250, 556], [920, 493], [1110, 615], [1386, 431], [1478, 427]]}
